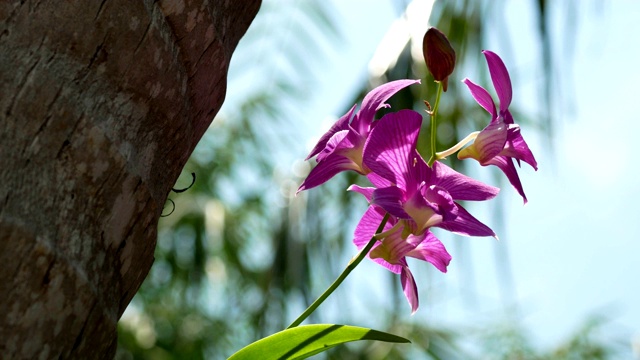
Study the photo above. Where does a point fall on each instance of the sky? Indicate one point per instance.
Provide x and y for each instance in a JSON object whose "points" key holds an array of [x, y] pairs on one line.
{"points": [[573, 249], [578, 240]]}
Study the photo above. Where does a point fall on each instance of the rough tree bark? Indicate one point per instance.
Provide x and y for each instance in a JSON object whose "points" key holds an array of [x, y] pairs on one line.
{"points": [[101, 104]]}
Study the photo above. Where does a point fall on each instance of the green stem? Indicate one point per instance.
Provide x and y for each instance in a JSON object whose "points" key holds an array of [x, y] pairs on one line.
{"points": [[352, 265], [434, 125]]}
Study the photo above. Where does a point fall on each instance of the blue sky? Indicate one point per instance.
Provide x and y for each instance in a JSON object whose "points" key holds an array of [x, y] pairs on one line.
{"points": [[575, 247]]}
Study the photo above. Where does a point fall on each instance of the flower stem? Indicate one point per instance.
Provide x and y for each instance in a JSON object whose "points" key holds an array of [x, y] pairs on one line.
{"points": [[443, 154], [352, 265], [381, 235], [434, 126]]}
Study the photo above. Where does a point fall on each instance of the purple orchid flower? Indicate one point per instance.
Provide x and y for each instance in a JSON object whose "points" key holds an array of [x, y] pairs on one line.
{"points": [[407, 188], [500, 142], [340, 148], [392, 250]]}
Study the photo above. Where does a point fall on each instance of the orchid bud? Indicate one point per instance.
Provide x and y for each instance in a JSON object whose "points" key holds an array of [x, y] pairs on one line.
{"points": [[439, 55]]}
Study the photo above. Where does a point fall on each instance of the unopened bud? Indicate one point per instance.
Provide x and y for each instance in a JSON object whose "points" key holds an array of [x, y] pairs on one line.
{"points": [[439, 55]]}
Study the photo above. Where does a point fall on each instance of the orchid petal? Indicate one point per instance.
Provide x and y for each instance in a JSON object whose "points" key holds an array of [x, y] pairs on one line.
{"points": [[439, 196], [367, 192], [394, 268], [341, 124], [368, 225], [375, 100], [382, 255], [423, 213], [500, 78], [393, 248], [325, 170], [377, 180], [409, 288], [389, 145], [467, 225], [508, 118], [482, 96], [333, 144], [506, 165], [352, 146], [366, 229], [391, 200], [419, 172], [517, 148], [462, 187], [487, 144], [432, 251]]}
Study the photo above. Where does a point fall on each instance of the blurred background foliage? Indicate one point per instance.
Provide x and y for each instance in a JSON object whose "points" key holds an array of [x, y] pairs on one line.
{"points": [[241, 256]]}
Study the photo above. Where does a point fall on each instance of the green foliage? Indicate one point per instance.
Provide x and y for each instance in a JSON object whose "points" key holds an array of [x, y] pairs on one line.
{"points": [[307, 340]]}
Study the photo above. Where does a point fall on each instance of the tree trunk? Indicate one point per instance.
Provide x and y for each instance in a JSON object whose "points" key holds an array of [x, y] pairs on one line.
{"points": [[101, 104]]}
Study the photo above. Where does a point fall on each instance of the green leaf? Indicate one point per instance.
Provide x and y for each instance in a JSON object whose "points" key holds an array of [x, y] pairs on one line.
{"points": [[307, 340]]}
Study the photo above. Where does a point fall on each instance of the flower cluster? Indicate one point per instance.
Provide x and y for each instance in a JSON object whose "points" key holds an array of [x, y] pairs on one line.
{"points": [[415, 195]]}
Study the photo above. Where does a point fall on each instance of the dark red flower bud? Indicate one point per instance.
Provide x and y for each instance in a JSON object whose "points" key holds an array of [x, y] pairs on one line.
{"points": [[439, 55]]}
